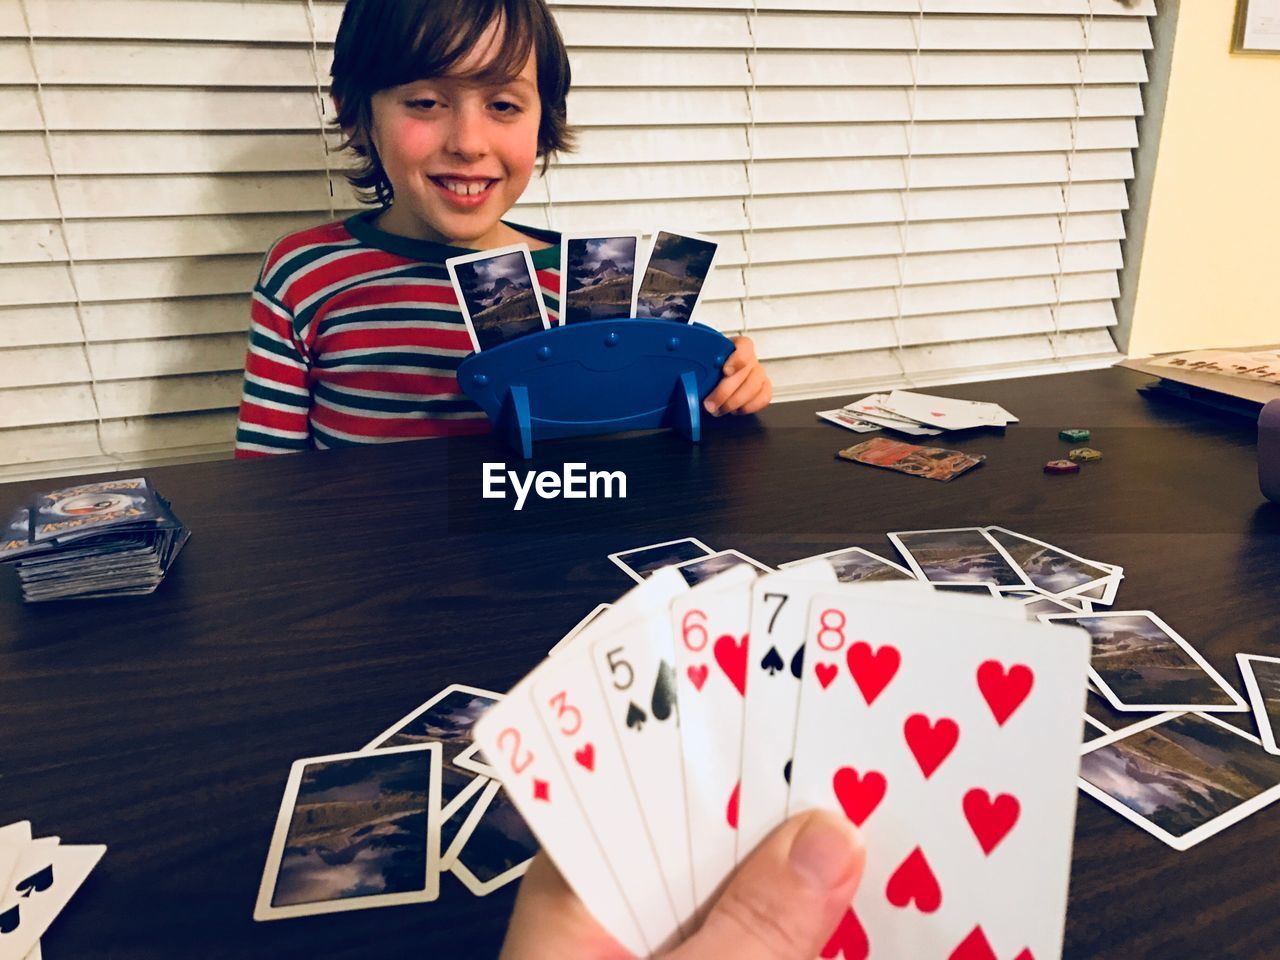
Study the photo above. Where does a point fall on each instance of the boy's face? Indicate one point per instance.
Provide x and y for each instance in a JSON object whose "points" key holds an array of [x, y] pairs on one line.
{"points": [[458, 153]]}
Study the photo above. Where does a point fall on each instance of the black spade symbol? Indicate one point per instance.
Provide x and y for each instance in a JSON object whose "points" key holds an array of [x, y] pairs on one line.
{"points": [[664, 692], [636, 717], [771, 662], [10, 920], [797, 663], [38, 882], [786, 772]]}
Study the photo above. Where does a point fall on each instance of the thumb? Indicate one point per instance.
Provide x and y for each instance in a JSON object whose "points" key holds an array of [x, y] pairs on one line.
{"points": [[787, 897]]}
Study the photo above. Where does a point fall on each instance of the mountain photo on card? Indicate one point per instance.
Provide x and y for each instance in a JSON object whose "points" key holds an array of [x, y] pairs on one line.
{"points": [[355, 831], [696, 571], [959, 555], [1050, 568], [1262, 682], [674, 276], [598, 277], [1138, 662], [447, 717], [498, 848], [498, 294], [639, 563], [855, 565], [1181, 777]]}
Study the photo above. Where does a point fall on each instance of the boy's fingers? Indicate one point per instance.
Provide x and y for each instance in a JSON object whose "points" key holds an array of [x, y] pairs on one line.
{"points": [[744, 354], [757, 402], [746, 390], [724, 390], [787, 897]]}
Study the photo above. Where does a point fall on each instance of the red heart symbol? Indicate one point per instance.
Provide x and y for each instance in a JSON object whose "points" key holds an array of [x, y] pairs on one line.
{"points": [[872, 671], [731, 654], [858, 796], [1004, 690], [586, 756], [990, 820], [731, 812], [914, 880], [849, 940], [1025, 954], [826, 673], [697, 675], [931, 743], [541, 790], [973, 947]]}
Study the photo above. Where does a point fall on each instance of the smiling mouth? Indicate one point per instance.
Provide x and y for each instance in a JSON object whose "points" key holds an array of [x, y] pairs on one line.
{"points": [[463, 188]]}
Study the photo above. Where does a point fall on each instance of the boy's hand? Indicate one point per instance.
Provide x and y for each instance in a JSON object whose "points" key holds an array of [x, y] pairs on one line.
{"points": [[781, 904], [745, 388]]}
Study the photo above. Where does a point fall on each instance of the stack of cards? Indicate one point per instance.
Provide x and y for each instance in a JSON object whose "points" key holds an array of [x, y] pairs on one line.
{"points": [[377, 827], [109, 539], [916, 414], [40, 876], [946, 727], [500, 296]]}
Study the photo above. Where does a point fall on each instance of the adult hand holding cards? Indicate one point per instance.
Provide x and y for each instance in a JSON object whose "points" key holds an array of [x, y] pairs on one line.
{"points": [[945, 727]]}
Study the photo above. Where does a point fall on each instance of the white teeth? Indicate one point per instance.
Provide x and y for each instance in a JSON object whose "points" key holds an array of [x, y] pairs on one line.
{"points": [[465, 189]]}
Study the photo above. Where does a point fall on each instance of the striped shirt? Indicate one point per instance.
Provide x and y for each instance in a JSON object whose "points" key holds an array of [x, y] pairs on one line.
{"points": [[356, 337]]}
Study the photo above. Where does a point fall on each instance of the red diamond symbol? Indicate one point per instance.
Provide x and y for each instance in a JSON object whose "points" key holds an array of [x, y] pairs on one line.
{"points": [[541, 790]]}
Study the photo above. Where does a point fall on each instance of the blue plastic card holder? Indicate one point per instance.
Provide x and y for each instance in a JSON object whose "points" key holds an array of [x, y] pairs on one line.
{"points": [[599, 376]]}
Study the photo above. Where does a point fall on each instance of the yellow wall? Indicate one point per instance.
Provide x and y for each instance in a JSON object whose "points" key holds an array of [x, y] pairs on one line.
{"points": [[1210, 273]]}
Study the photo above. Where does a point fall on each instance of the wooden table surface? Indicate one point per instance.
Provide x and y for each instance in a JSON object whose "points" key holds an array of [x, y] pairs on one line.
{"points": [[323, 596]]}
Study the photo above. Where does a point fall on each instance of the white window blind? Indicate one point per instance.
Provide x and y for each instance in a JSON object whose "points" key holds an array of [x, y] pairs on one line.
{"points": [[906, 191]]}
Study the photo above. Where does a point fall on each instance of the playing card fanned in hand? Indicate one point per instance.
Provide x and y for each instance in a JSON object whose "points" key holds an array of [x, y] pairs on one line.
{"points": [[948, 727]]}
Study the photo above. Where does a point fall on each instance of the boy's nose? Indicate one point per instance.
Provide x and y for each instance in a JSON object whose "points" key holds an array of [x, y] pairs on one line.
{"points": [[467, 137]]}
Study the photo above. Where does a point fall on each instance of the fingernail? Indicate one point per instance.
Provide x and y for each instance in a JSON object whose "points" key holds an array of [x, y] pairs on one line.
{"points": [[709, 407], [825, 850], [728, 370]]}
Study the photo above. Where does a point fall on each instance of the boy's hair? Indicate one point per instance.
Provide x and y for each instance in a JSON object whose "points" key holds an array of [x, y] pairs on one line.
{"points": [[387, 43]]}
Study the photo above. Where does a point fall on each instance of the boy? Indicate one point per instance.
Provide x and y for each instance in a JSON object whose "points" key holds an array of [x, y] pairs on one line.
{"points": [[356, 333]]}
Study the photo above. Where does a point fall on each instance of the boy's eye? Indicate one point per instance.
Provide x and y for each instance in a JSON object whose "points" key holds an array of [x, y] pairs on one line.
{"points": [[422, 103], [506, 106]]}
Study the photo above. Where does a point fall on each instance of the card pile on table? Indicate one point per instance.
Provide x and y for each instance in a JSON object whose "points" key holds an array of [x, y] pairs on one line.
{"points": [[40, 876], [114, 538], [379, 826], [916, 414], [946, 727]]}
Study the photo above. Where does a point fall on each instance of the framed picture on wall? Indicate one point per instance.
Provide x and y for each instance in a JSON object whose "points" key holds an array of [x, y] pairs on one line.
{"points": [[1257, 27]]}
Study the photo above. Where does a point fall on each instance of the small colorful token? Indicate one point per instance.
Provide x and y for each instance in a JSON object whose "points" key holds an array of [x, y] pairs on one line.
{"points": [[1061, 466], [1084, 454], [1074, 435]]}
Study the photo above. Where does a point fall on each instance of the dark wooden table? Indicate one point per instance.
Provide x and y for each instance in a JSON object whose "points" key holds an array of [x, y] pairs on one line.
{"points": [[324, 596]]}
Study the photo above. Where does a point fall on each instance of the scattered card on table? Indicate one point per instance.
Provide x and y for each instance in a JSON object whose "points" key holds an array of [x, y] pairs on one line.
{"points": [[932, 463], [1052, 569], [1140, 663], [855, 565], [1182, 777], [44, 877], [355, 830], [1262, 681], [959, 555], [704, 568], [640, 562], [496, 847]]}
